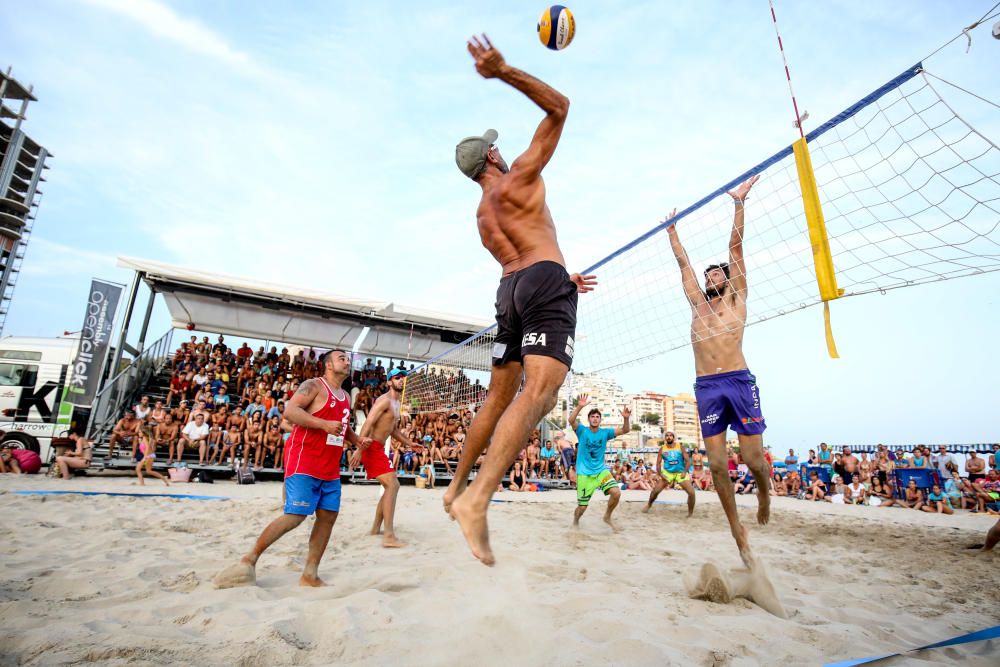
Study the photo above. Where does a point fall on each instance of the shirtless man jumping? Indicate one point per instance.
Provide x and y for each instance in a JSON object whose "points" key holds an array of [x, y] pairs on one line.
{"points": [[536, 300], [383, 421], [726, 392]]}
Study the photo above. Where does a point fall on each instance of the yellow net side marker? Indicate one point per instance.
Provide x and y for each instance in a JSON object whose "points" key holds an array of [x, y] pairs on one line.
{"points": [[826, 277]]}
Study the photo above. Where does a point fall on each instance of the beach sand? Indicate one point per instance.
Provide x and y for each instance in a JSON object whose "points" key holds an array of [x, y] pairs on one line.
{"points": [[120, 580]]}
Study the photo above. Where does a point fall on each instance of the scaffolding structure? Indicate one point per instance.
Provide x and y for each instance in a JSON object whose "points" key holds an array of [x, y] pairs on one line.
{"points": [[22, 163]]}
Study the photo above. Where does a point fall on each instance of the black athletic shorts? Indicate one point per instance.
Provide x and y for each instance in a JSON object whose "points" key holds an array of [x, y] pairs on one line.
{"points": [[536, 314]]}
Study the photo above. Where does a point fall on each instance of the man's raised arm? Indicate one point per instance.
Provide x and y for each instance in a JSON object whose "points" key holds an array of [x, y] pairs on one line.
{"points": [[688, 280], [581, 402], [737, 269], [626, 423], [491, 65]]}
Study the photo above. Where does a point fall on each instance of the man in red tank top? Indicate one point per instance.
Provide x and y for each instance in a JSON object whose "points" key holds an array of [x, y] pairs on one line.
{"points": [[320, 412]]}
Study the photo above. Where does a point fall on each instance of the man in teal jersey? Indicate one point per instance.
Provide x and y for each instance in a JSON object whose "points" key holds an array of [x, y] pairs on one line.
{"points": [[591, 472], [672, 463]]}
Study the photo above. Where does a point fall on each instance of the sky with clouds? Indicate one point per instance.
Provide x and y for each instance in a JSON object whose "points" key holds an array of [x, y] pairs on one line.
{"points": [[313, 146]]}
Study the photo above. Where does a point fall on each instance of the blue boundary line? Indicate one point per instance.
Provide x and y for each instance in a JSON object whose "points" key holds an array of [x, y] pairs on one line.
{"points": [[978, 636], [847, 113], [114, 493]]}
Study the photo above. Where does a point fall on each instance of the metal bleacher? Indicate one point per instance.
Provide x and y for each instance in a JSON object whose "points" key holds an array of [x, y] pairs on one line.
{"points": [[149, 375], [156, 387]]}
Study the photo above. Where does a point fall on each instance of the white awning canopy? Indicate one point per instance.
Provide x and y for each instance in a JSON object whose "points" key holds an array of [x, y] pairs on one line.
{"points": [[244, 307]]}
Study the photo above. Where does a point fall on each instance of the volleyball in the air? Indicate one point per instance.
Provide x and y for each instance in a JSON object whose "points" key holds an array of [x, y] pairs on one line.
{"points": [[556, 27]]}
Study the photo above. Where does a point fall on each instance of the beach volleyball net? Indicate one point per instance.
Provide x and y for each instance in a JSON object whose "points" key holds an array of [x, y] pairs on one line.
{"points": [[910, 194]]}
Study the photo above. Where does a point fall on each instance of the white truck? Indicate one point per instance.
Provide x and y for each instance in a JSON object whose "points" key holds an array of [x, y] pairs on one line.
{"points": [[33, 377]]}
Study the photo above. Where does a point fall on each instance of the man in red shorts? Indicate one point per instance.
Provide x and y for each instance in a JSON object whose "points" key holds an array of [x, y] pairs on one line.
{"points": [[320, 412], [383, 421]]}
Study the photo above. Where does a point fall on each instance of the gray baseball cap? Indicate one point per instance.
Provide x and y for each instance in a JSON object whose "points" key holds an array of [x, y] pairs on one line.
{"points": [[470, 153]]}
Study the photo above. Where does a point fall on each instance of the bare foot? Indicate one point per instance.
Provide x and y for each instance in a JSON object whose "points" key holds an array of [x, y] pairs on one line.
{"points": [[390, 542], [607, 520], [763, 508], [645, 510], [473, 523], [375, 531], [454, 490], [166, 481], [314, 582]]}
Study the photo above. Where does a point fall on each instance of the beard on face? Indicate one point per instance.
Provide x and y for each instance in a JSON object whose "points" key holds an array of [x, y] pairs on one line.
{"points": [[715, 292]]}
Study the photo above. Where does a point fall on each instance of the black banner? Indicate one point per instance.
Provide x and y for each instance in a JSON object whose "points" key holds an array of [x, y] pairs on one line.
{"points": [[99, 320]]}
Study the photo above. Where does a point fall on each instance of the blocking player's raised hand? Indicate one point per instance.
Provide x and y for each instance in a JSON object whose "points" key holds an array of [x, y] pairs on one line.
{"points": [[740, 193], [626, 412], [582, 401]]}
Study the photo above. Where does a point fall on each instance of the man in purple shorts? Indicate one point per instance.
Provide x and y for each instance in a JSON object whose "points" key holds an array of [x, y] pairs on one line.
{"points": [[726, 391]]}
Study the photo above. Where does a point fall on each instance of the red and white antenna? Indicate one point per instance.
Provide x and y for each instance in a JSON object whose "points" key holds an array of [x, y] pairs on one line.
{"points": [[788, 75]]}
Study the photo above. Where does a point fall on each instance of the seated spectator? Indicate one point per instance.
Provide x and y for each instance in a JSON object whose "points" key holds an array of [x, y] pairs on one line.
{"points": [[953, 489], [165, 434], [179, 388], [635, 480], [732, 463], [548, 459], [427, 475], [988, 491], [880, 495], [78, 459], [221, 397], [778, 485], [158, 414], [408, 460], [817, 488], [745, 483], [518, 481], [142, 409], [914, 497], [839, 493], [703, 478], [937, 502], [194, 434], [19, 461], [856, 491], [125, 431], [182, 413]]}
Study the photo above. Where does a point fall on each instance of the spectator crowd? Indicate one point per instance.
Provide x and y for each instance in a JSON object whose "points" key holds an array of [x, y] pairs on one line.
{"points": [[227, 404]]}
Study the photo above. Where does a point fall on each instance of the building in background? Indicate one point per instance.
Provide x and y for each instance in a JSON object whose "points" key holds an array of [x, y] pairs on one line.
{"points": [[680, 415], [22, 161]]}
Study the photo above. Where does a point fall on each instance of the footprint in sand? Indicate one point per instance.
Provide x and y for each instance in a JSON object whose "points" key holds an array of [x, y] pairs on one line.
{"points": [[183, 583]]}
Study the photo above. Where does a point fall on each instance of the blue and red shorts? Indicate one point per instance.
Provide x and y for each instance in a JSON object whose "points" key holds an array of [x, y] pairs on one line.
{"points": [[729, 400]]}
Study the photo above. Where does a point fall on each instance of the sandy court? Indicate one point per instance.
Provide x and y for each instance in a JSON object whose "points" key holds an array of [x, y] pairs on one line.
{"points": [[128, 581]]}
